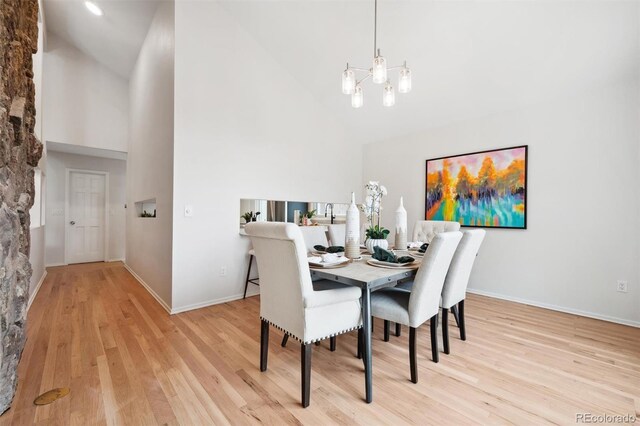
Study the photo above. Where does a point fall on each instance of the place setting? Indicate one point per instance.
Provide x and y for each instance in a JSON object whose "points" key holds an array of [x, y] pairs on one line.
{"points": [[383, 258]]}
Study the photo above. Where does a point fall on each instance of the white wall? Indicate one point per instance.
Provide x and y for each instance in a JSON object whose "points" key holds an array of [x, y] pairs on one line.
{"points": [[57, 163], [245, 128], [583, 203], [150, 157], [84, 102], [37, 231]]}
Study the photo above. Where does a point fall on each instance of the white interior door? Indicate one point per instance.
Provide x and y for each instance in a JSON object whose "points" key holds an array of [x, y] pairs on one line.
{"points": [[86, 219]]}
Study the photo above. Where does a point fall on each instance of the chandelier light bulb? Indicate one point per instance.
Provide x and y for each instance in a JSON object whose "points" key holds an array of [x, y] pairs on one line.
{"points": [[388, 96], [357, 98], [379, 70], [404, 84], [348, 81]]}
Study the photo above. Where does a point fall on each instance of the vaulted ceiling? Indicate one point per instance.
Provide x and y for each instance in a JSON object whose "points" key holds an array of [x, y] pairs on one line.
{"points": [[468, 58], [113, 39]]}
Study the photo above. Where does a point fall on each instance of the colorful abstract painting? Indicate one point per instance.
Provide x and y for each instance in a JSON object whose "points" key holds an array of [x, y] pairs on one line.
{"points": [[482, 189]]}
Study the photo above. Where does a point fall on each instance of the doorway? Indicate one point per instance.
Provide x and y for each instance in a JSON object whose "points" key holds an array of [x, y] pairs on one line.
{"points": [[86, 216]]}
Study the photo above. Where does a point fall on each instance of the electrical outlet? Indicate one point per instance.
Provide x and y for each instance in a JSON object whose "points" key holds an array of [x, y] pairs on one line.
{"points": [[188, 210], [223, 271], [622, 286]]}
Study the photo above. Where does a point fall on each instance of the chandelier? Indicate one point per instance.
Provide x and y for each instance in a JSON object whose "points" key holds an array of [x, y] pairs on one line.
{"points": [[378, 73]]}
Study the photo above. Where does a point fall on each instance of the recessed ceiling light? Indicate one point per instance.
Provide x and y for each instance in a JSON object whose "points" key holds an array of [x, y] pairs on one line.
{"points": [[93, 8]]}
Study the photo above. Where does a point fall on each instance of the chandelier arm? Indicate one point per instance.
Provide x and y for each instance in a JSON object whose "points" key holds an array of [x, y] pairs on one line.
{"points": [[395, 68], [360, 69], [364, 79]]}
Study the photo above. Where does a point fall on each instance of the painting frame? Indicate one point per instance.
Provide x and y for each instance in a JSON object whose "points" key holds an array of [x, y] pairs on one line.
{"points": [[478, 153]]}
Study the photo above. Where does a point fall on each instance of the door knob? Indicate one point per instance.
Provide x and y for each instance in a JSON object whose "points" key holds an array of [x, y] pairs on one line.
{"points": [[72, 222]]}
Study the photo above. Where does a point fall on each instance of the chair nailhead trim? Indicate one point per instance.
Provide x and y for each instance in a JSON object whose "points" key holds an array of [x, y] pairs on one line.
{"points": [[309, 341]]}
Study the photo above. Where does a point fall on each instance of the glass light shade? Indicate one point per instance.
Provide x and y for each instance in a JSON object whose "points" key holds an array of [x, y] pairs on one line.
{"points": [[348, 81], [357, 98], [388, 96], [379, 70], [404, 85]]}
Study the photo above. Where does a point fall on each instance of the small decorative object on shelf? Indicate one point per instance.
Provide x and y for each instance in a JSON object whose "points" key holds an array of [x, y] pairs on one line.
{"points": [[247, 216], [147, 214], [372, 208], [306, 217], [352, 231], [401, 227]]}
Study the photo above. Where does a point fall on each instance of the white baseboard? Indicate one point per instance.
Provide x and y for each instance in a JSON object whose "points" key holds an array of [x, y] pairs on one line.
{"points": [[116, 260], [36, 290], [149, 289], [556, 308], [52, 265], [213, 302]]}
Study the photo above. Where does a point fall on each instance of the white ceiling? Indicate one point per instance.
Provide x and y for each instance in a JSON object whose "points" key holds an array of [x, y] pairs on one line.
{"points": [[468, 58], [113, 39]]}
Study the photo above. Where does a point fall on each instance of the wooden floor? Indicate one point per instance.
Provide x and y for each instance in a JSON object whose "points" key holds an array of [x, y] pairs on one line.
{"points": [[94, 329]]}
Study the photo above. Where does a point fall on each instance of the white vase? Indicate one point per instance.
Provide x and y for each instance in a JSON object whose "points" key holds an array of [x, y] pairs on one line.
{"points": [[371, 243], [352, 230]]}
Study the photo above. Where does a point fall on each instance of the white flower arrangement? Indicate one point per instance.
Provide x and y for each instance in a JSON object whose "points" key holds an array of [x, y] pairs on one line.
{"points": [[372, 207]]}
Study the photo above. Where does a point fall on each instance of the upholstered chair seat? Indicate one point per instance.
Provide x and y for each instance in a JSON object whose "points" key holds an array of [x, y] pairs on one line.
{"points": [[426, 230], [421, 304], [288, 299]]}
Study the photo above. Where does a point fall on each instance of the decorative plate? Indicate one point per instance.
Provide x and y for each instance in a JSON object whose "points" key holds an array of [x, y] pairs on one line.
{"points": [[389, 265]]}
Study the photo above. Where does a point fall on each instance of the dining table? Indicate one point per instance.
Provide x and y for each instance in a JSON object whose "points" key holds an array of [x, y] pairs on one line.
{"points": [[369, 278]]}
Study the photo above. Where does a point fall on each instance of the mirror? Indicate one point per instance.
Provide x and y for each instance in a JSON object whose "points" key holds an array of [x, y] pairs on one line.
{"points": [[300, 212]]}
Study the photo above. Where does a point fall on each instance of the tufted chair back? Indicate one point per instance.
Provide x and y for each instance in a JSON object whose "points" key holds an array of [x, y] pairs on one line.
{"points": [[455, 285], [425, 230], [427, 286], [313, 236], [285, 281], [337, 234]]}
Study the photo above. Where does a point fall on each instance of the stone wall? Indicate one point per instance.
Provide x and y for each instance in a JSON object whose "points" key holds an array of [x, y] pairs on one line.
{"points": [[19, 154]]}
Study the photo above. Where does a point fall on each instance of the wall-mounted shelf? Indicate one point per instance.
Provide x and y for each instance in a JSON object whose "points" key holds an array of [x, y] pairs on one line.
{"points": [[146, 208]]}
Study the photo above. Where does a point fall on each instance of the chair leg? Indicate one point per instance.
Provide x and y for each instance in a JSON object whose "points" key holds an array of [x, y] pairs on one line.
{"points": [[463, 331], [445, 330], [264, 345], [305, 363], [398, 329], [386, 330], [413, 358], [433, 326], [332, 343], [454, 311], [360, 339], [246, 283], [285, 339]]}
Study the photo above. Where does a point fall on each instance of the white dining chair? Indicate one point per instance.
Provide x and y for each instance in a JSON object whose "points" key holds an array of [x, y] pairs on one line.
{"points": [[425, 230], [313, 236], [288, 300], [455, 285], [337, 234], [413, 308]]}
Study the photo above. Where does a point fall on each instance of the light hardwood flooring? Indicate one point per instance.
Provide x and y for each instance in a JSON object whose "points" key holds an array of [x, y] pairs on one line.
{"points": [[94, 329]]}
